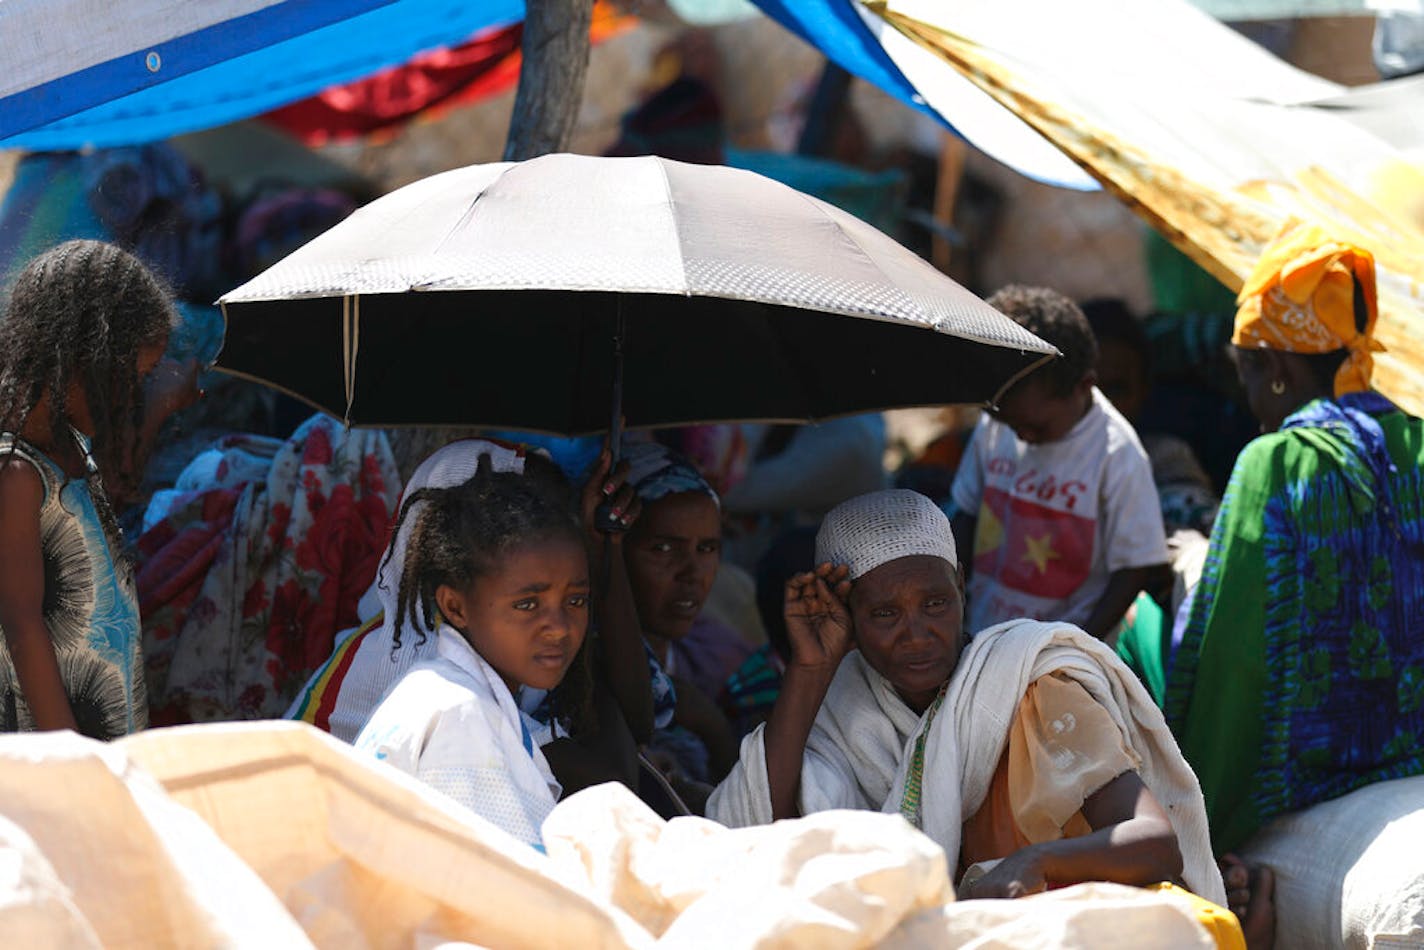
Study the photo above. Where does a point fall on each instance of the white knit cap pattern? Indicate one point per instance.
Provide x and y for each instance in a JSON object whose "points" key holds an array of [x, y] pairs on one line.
{"points": [[870, 530]]}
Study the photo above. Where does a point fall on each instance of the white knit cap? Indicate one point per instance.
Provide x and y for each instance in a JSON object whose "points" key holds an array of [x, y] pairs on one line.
{"points": [[884, 526]]}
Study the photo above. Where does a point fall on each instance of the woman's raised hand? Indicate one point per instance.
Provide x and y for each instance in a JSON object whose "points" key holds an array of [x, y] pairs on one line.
{"points": [[817, 619], [608, 485]]}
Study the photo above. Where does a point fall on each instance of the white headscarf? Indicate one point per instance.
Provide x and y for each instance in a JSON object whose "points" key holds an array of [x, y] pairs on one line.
{"points": [[448, 467], [870, 530]]}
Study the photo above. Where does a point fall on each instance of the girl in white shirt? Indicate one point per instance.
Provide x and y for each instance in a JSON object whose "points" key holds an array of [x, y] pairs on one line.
{"points": [[497, 572]]}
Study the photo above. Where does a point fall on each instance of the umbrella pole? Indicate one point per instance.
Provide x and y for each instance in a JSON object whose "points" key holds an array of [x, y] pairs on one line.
{"points": [[603, 516], [615, 425]]}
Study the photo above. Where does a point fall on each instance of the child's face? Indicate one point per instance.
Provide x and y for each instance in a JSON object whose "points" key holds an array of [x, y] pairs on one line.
{"points": [[528, 618], [1036, 416], [672, 556]]}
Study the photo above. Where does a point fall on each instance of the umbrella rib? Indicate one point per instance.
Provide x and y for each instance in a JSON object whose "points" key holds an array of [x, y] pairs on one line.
{"points": [[470, 211], [821, 210], [677, 232]]}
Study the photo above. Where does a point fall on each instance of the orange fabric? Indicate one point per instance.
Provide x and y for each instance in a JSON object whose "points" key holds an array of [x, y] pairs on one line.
{"points": [[1301, 299], [1062, 748]]}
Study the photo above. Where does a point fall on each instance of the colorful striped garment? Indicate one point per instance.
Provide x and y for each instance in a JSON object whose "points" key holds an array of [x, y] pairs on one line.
{"points": [[1300, 677], [318, 699]]}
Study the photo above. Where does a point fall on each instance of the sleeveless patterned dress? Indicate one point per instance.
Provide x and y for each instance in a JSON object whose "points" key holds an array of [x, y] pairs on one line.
{"points": [[90, 609]]}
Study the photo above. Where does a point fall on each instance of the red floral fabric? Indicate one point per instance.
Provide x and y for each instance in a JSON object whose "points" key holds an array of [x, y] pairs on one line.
{"points": [[244, 585]]}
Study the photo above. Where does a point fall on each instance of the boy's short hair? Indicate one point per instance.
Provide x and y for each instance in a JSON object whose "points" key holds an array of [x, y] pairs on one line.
{"points": [[1055, 319]]}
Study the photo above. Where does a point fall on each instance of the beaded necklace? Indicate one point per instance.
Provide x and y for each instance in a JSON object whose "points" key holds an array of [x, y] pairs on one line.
{"points": [[914, 781]]}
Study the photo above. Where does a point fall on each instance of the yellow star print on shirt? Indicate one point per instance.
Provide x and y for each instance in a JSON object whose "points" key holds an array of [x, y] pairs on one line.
{"points": [[1039, 551]]}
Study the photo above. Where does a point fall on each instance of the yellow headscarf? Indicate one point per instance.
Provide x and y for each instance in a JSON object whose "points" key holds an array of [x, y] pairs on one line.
{"points": [[1301, 299]]}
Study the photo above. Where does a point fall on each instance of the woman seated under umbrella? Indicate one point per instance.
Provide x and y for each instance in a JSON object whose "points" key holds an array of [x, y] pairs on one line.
{"points": [[1031, 754]]}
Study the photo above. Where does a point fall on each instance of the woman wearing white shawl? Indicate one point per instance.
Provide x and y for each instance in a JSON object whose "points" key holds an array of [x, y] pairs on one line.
{"points": [[1036, 746]]}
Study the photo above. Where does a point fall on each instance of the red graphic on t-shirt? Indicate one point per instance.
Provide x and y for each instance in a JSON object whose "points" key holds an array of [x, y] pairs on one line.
{"points": [[1028, 547]]}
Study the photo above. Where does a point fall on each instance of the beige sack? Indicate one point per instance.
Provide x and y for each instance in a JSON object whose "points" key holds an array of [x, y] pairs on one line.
{"points": [[363, 855], [1097, 916], [137, 869], [834, 879], [277, 835], [1350, 871]]}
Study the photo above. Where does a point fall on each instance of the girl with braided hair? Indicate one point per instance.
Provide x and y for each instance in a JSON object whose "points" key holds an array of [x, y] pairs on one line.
{"points": [[496, 571], [80, 344]]}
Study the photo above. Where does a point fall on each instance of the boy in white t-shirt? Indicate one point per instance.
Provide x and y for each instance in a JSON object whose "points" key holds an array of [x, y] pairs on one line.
{"points": [[1055, 496]]}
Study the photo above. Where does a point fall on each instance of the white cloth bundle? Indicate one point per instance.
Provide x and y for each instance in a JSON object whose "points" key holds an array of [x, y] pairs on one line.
{"points": [[859, 750]]}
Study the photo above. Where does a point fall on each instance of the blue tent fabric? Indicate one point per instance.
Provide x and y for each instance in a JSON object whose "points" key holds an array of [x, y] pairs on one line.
{"points": [[835, 28], [261, 80], [155, 63], [838, 29]]}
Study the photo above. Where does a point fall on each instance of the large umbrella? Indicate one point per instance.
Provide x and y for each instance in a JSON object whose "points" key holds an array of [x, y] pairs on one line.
{"points": [[507, 295]]}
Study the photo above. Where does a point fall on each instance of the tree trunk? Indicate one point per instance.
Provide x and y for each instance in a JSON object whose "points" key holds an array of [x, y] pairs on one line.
{"points": [[555, 47]]}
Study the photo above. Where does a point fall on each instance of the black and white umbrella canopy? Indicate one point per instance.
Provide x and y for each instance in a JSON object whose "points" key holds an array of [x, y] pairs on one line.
{"points": [[492, 295]]}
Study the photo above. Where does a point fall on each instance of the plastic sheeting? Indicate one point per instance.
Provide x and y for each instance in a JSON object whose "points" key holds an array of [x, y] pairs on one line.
{"points": [[248, 75]]}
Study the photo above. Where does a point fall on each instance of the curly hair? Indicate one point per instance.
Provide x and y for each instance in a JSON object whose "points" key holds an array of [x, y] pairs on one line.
{"points": [[463, 533], [1055, 319], [79, 315]]}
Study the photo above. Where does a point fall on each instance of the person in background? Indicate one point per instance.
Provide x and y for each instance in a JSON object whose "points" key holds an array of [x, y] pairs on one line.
{"points": [[1055, 497], [1297, 692], [1188, 499], [672, 556], [81, 393], [798, 473], [753, 688]]}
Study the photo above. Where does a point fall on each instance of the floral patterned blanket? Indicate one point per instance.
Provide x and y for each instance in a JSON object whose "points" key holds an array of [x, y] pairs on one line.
{"points": [[245, 582]]}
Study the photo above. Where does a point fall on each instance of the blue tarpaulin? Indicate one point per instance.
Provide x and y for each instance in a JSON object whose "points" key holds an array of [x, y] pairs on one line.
{"points": [[838, 28], [296, 67], [265, 78]]}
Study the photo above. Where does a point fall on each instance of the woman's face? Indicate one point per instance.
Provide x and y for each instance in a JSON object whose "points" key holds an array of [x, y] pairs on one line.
{"points": [[1257, 371], [672, 555], [528, 618], [909, 624]]}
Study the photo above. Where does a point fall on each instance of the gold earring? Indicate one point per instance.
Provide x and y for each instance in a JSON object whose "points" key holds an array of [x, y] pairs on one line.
{"points": [[1278, 387]]}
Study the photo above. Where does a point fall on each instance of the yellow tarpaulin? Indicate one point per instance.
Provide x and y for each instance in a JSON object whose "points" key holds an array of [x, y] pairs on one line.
{"points": [[1214, 173]]}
